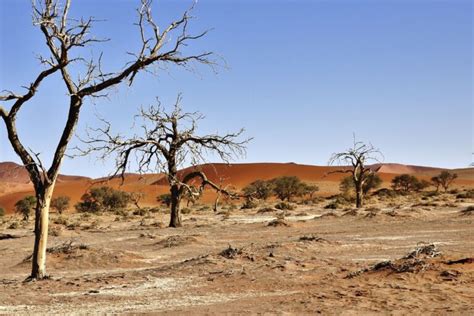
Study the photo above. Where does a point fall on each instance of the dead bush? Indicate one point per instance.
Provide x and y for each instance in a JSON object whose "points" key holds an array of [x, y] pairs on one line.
{"points": [[249, 204], [60, 221], [285, 206], [176, 240], [55, 231], [312, 238], [186, 210], [140, 212], [468, 210], [466, 195], [278, 223], [230, 252], [267, 210], [14, 225], [413, 262]]}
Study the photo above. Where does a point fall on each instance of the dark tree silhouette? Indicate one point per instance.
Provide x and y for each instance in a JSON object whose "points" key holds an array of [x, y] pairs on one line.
{"points": [[373, 182], [287, 187], [259, 189], [169, 141], [356, 159], [444, 179], [24, 206]]}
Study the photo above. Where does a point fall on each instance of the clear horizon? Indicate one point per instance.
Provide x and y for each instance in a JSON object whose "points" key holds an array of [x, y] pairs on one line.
{"points": [[303, 77]]}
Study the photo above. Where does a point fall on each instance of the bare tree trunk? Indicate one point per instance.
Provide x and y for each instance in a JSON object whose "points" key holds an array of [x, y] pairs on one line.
{"points": [[175, 220], [43, 197], [359, 197], [216, 202]]}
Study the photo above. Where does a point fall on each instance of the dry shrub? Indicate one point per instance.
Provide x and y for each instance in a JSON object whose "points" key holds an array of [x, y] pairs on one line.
{"points": [[67, 247], [176, 240], [14, 225], [350, 212], [413, 262], [55, 231], [73, 225], [468, 210], [60, 221], [186, 210], [230, 252], [267, 210], [469, 194], [93, 225], [285, 206], [249, 204], [312, 237], [278, 223], [121, 212], [140, 212]]}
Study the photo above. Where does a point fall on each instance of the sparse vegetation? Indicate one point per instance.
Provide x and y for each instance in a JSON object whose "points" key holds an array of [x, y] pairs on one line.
{"points": [[468, 210], [102, 199], [14, 225], [60, 203], [285, 206], [444, 179], [336, 203], [249, 204], [406, 183], [164, 199], [61, 221], [259, 189], [466, 195], [372, 182], [25, 206], [386, 193], [288, 187]]}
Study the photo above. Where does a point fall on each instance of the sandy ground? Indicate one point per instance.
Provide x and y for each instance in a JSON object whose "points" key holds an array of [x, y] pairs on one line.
{"points": [[245, 262]]}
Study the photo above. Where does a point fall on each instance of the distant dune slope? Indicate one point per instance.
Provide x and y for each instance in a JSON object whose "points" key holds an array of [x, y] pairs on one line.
{"points": [[400, 169], [14, 182], [11, 172]]}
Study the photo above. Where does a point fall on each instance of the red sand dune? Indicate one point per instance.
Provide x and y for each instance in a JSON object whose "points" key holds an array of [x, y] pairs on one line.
{"points": [[401, 169], [233, 175], [11, 172]]}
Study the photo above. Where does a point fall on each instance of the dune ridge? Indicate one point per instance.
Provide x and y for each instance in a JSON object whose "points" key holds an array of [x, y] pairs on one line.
{"points": [[14, 183]]}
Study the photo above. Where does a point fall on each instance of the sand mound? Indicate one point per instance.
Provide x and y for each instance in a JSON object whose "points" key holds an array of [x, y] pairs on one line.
{"points": [[414, 262], [176, 241], [278, 223], [313, 238], [72, 255]]}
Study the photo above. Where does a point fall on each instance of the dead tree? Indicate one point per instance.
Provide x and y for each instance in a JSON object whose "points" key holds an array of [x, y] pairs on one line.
{"points": [[356, 159], [169, 141], [64, 38]]}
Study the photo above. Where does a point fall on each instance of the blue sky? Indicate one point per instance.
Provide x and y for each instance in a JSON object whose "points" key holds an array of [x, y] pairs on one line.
{"points": [[302, 77]]}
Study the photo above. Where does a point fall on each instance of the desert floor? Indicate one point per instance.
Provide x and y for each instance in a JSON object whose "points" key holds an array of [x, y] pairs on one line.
{"points": [[305, 261]]}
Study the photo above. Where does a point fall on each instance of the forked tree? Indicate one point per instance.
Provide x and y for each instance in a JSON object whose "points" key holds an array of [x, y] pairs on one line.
{"points": [[169, 141], [83, 79], [444, 179], [356, 159]]}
